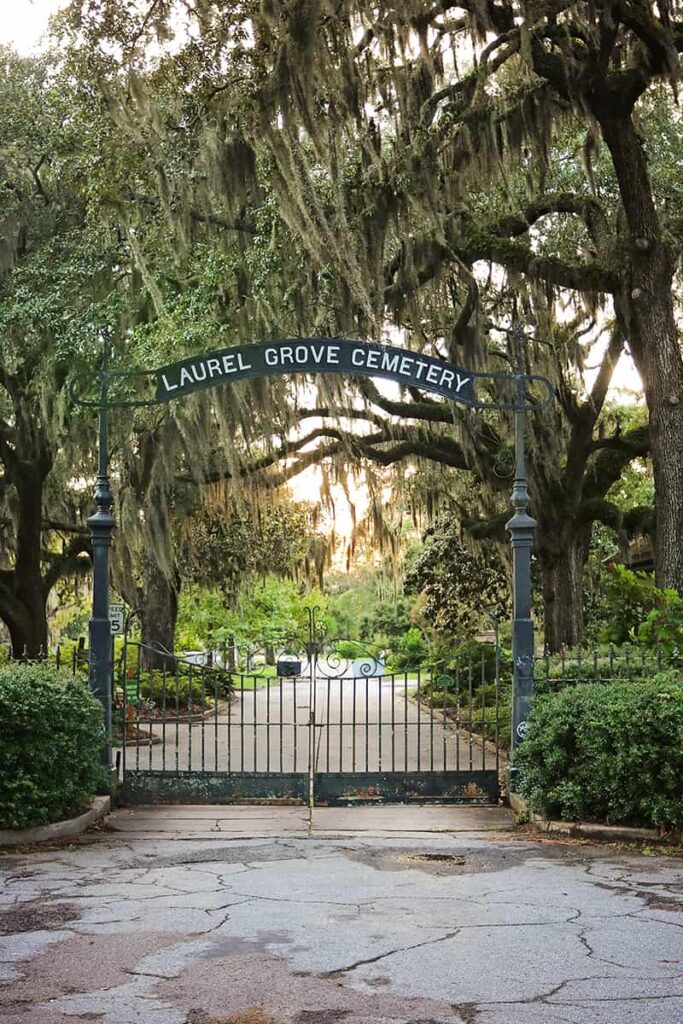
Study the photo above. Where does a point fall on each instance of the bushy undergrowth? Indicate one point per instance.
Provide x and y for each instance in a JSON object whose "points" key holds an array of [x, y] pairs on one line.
{"points": [[607, 752], [50, 741]]}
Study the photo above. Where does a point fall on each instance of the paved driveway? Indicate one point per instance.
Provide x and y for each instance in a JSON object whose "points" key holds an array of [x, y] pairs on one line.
{"points": [[371, 724], [243, 915]]}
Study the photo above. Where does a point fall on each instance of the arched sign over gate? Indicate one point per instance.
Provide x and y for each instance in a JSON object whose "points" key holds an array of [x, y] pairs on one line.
{"points": [[336, 356], [341, 356]]}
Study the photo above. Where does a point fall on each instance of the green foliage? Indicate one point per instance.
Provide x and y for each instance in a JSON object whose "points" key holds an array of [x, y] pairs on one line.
{"points": [[268, 612], [50, 741], [459, 589], [410, 651], [182, 690], [479, 659], [230, 548], [609, 752], [628, 597], [641, 611], [366, 605]]}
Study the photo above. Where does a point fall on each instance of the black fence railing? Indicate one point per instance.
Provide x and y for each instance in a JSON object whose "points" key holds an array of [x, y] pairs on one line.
{"points": [[70, 656], [601, 664]]}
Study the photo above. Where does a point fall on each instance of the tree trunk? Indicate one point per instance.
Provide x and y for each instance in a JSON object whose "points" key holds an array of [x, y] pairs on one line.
{"points": [[23, 596], [158, 614], [562, 565], [653, 338], [26, 622]]}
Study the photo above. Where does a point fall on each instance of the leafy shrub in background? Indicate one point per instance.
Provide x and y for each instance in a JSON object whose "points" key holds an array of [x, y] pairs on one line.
{"points": [[628, 596], [607, 752], [639, 610], [409, 651], [50, 741]]}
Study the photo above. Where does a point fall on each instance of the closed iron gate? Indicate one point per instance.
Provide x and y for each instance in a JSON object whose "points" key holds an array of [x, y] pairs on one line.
{"points": [[339, 729]]}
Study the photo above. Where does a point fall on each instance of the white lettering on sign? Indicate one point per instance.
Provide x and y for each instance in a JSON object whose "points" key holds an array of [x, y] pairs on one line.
{"points": [[310, 355], [389, 363]]}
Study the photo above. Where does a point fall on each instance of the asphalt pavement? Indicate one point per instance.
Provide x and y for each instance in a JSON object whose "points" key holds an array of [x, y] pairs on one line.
{"points": [[388, 915]]}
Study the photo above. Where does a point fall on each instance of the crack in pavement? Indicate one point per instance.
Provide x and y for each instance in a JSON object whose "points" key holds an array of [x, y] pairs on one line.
{"points": [[340, 971]]}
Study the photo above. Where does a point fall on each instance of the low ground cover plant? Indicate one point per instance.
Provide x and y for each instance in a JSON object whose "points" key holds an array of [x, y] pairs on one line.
{"points": [[50, 741], [609, 752]]}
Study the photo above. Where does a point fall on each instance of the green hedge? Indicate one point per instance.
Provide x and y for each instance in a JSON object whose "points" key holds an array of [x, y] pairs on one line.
{"points": [[608, 752], [50, 741]]}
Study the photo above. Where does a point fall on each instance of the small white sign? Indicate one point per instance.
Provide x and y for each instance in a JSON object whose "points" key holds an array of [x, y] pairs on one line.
{"points": [[522, 729], [117, 619]]}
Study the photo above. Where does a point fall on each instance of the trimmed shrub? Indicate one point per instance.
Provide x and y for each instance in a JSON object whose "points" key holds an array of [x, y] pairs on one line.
{"points": [[610, 752], [50, 741]]}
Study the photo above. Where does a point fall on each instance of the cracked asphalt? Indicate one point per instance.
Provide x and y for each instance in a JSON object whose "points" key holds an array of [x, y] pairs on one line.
{"points": [[405, 915]]}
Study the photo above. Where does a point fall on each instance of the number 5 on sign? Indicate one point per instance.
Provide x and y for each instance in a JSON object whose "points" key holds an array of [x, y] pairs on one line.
{"points": [[117, 617]]}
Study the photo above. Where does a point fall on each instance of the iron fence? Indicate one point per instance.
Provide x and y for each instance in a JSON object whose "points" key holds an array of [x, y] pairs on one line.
{"points": [[608, 663]]}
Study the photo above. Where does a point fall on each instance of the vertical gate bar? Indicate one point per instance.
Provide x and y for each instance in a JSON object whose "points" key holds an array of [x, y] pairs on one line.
{"points": [[367, 727], [203, 724], [457, 718], [282, 732], [353, 738], [444, 722], [341, 719], [431, 729], [327, 728], [152, 694], [419, 722], [163, 720], [242, 723], [137, 711], [232, 692], [379, 723], [215, 719], [294, 719], [253, 680], [267, 723], [393, 724], [470, 698], [190, 687], [124, 724], [405, 721], [177, 719], [312, 706], [483, 713], [497, 698]]}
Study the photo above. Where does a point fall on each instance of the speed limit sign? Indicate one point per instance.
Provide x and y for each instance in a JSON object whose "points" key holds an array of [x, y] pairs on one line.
{"points": [[117, 619]]}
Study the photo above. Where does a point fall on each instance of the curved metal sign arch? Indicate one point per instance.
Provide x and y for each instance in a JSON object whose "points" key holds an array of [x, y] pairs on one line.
{"points": [[335, 355]]}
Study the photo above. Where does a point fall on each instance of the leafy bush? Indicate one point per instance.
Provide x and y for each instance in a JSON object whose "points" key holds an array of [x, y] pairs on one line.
{"points": [[608, 752], [50, 741], [181, 690], [641, 611], [628, 596], [409, 651]]}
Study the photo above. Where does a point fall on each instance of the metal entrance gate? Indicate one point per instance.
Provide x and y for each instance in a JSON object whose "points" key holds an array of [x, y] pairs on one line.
{"points": [[321, 726]]}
